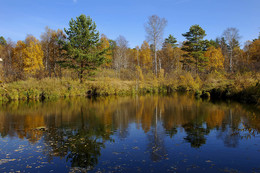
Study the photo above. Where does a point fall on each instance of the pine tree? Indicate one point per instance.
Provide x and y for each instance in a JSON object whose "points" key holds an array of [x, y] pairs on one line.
{"points": [[2, 41], [195, 47], [82, 46], [170, 40]]}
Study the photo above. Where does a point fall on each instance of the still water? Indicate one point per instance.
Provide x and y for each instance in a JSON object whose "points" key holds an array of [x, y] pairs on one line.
{"points": [[129, 134]]}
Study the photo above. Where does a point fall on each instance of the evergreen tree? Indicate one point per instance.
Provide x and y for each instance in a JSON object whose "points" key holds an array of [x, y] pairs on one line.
{"points": [[82, 45], [170, 40], [195, 47], [214, 43], [2, 41]]}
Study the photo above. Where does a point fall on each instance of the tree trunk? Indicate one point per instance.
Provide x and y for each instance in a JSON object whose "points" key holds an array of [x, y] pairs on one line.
{"points": [[197, 65], [81, 73], [81, 76], [160, 65], [155, 57], [138, 59], [230, 61]]}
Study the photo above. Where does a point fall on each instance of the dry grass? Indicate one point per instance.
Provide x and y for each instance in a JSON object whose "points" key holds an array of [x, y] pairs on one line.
{"points": [[107, 82]]}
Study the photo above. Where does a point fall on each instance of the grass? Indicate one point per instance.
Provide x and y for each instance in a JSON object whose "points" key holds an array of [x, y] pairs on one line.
{"points": [[243, 87]]}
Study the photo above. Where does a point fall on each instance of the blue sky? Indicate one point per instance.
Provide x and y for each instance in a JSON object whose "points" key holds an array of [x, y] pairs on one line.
{"points": [[127, 17]]}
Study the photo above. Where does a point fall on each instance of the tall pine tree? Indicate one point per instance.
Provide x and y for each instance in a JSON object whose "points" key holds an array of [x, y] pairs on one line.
{"points": [[194, 46], [82, 46]]}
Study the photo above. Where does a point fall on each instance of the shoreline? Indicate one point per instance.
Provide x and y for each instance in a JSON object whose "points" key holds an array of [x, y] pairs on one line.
{"points": [[48, 89]]}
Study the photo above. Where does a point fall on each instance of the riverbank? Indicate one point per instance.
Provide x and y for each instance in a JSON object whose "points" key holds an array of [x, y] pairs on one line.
{"points": [[243, 88]]}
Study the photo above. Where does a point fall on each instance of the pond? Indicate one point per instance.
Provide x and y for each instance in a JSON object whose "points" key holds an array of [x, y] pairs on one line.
{"points": [[176, 133]]}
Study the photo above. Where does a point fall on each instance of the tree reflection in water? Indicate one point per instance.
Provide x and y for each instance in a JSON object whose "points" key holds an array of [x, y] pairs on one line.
{"points": [[81, 145], [156, 137], [195, 134], [78, 129]]}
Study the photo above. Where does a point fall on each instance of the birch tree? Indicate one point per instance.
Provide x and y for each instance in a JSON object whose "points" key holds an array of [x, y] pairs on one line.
{"points": [[120, 55], [231, 36], [154, 29]]}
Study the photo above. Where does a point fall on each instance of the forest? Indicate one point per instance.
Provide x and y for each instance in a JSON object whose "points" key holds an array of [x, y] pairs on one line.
{"points": [[80, 61]]}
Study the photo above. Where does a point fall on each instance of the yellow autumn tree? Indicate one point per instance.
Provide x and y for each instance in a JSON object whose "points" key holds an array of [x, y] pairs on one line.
{"points": [[166, 56], [134, 56], [145, 56], [33, 55], [28, 57], [18, 59], [170, 58], [216, 59], [51, 42], [105, 45], [239, 59], [254, 54]]}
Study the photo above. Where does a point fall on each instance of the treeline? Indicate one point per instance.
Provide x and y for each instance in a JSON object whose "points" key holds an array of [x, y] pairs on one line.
{"points": [[81, 48]]}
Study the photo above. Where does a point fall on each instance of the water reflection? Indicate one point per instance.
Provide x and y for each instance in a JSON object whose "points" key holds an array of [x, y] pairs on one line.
{"points": [[78, 129]]}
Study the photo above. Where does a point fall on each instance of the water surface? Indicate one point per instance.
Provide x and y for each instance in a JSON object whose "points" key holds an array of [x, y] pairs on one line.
{"points": [[129, 134]]}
